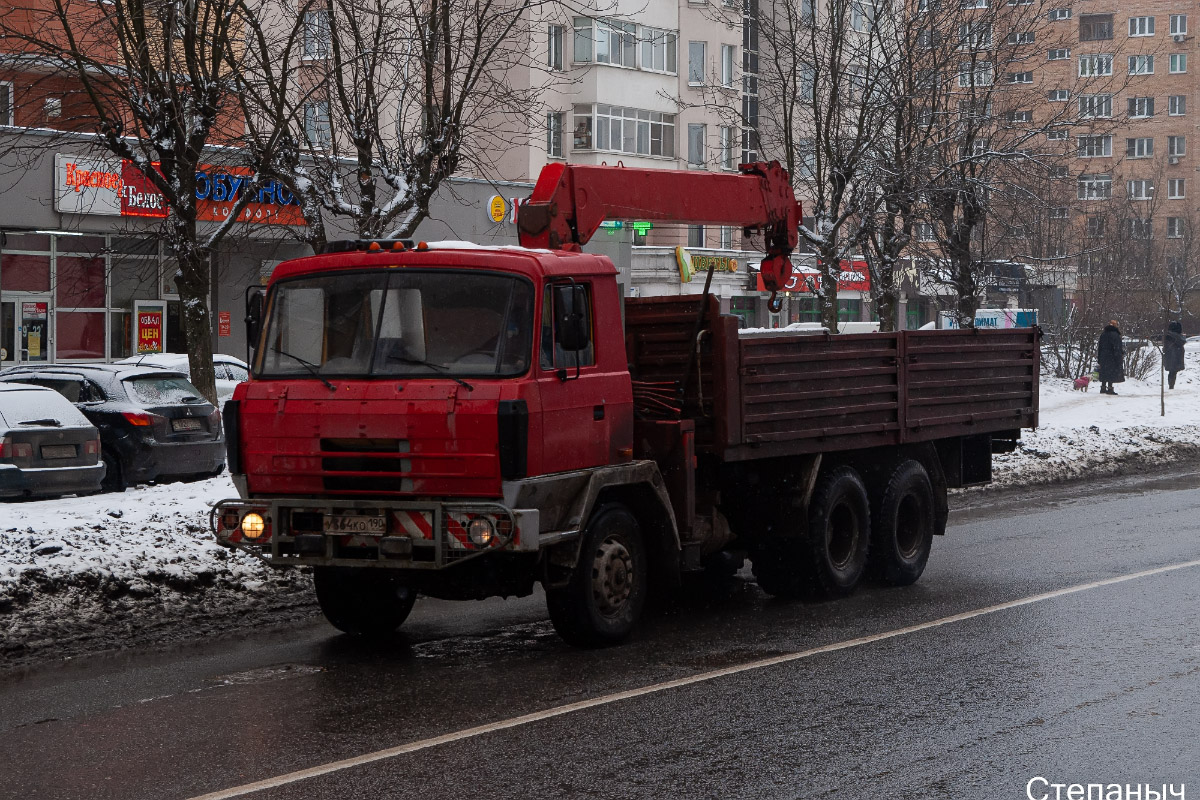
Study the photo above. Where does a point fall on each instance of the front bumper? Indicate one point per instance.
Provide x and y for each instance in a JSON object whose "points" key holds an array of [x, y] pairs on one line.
{"points": [[419, 535], [49, 481]]}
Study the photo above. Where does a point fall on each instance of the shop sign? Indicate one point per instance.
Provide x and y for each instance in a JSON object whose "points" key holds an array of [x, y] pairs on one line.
{"points": [[31, 312], [224, 324], [855, 279], [496, 208], [718, 263], [683, 260], [113, 187], [149, 331]]}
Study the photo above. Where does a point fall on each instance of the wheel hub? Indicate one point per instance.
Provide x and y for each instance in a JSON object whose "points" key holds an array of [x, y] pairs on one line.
{"points": [[612, 572]]}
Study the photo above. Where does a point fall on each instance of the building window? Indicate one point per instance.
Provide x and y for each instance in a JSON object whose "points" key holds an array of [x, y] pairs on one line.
{"points": [[725, 234], [555, 36], [554, 134], [1059, 13], [1058, 170], [1020, 77], [1139, 148], [972, 3], [1141, 26], [1174, 227], [727, 144], [1059, 54], [728, 57], [625, 130], [1139, 189], [1177, 105], [1178, 24], [696, 137], [316, 34], [1020, 116], [1141, 65], [1176, 146], [1094, 146], [978, 73], [1094, 65], [1056, 135], [1094, 187], [6, 103], [1141, 107], [1178, 63], [1175, 188], [1059, 212], [862, 15], [1139, 228], [1095, 27], [1020, 38], [659, 50], [696, 58], [605, 41], [1058, 95], [923, 231], [695, 236], [1095, 227], [1095, 106], [318, 129]]}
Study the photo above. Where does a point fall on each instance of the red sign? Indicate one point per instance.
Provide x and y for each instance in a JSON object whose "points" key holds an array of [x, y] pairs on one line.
{"points": [[854, 278], [224, 326], [33, 311], [150, 331]]}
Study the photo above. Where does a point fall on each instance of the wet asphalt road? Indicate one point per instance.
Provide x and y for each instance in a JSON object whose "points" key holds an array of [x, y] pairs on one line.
{"points": [[1099, 685]]}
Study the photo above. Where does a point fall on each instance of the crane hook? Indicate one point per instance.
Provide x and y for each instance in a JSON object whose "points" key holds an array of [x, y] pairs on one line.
{"points": [[775, 303]]}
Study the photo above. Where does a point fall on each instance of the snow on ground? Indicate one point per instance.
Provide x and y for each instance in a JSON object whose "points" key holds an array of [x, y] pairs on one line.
{"points": [[81, 574]]}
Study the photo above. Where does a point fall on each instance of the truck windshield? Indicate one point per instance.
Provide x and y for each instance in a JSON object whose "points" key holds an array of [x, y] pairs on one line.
{"points": [[399, 323]]}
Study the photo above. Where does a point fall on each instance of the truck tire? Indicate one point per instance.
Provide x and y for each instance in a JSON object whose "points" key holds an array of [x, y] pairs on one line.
{"points": [[606, 593], [831, 557], [362, 601], [902, 526]]}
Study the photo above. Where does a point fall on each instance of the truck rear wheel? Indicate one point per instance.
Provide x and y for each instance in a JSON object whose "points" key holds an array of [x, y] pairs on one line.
{"points": [[606, 593], [363, 602], [831, 556], [902, 533]]}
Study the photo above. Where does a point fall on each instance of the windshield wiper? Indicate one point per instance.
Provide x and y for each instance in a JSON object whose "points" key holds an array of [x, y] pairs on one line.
{"points": [[47, 422], [439, 367], [308, 365]]}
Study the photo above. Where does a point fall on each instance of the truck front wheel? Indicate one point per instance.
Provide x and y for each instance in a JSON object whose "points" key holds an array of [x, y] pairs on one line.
{"points": [[903, 526], [606, 593], [363, 602]]}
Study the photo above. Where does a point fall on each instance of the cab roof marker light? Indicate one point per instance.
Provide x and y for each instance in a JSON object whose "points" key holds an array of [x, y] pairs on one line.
{"points": [[422, 246]]}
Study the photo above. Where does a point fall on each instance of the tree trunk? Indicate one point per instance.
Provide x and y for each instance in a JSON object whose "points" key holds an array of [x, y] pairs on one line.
{"points": [[827, 297], [886, 306], [194, 286]]}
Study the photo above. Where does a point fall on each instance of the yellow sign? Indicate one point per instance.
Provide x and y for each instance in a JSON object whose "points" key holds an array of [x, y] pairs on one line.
{"points": [[497, 208], [718, 264], [684, 260]]}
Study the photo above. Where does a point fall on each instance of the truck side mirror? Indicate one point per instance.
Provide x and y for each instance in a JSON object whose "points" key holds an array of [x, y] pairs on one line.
{"points": [[570, 317], [254, 312]]}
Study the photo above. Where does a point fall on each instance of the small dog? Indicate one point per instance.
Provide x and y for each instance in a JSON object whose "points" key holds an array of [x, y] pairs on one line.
{"points": [[1081, 383]]}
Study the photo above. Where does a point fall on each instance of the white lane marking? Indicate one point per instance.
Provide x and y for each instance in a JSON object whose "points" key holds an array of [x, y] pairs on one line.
{"points": [[570, 708]]}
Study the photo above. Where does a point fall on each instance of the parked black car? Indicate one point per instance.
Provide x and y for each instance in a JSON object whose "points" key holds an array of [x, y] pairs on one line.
{"points": [[154, 425], [47, 448]]}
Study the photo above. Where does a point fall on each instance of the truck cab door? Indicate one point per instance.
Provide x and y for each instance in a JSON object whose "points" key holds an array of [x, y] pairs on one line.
{"points": [[572, 389]]}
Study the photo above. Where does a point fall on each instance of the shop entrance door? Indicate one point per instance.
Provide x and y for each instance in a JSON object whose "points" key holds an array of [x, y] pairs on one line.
{"points": [[33, 330], [8, 333]]}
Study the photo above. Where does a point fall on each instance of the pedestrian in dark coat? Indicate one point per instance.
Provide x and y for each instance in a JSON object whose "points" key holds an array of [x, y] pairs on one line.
{"points": [[1111, 355], [1173, 352]]}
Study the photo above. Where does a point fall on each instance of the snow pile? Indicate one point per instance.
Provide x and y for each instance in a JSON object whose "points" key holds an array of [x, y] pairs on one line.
{"points": [[1088, 434], [75, 571]]}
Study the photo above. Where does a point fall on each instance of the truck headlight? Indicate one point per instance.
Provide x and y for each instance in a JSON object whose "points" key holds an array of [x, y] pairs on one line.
{"points": [[481, 532], [253, 526]]}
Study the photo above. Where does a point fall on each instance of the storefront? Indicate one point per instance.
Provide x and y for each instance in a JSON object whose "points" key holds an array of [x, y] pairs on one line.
{"points": [[670, 271], [854, 294]]}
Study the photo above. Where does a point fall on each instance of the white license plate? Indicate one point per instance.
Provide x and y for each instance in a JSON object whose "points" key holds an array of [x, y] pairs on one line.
{"points": [[356, 523], [58, 451], [186, 424]]}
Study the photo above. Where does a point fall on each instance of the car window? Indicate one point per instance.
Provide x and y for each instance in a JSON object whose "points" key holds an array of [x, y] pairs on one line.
{"points": [[70, 388], [237, 373], [167, 390], [35, 405]]}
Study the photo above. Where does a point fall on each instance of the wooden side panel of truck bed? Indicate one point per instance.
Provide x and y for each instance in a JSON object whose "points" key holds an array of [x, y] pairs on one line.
{"points": [[781, 394]]}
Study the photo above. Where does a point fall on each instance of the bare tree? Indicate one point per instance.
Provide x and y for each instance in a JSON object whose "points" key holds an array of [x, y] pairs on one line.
{"points": [[382, 100], [153, 88]]}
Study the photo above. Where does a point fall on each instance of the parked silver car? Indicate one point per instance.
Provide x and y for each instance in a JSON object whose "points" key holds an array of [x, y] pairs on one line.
{"points": [[47, 446]]}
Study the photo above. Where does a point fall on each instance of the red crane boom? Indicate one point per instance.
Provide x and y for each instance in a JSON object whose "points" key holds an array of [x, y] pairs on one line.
{"points": [[571, 200]]}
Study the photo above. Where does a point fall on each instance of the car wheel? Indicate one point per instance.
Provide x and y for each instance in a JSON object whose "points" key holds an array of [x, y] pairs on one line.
{"points": [[114, 480]]}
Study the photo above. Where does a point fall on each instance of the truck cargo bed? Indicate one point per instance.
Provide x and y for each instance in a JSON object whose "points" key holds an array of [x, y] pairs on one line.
{"points": [[780, 394]]}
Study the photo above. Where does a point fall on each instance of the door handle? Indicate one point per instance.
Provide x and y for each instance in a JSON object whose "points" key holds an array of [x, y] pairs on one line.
{"points": [[598, 412]]}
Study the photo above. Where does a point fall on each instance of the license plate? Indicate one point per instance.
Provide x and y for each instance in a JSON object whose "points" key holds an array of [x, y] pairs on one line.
{"points": [[356, 523], [186, 424], [58, 451]]}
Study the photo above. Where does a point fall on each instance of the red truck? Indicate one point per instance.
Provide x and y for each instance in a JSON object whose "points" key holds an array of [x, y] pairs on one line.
{"points": [[466, 422]]}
